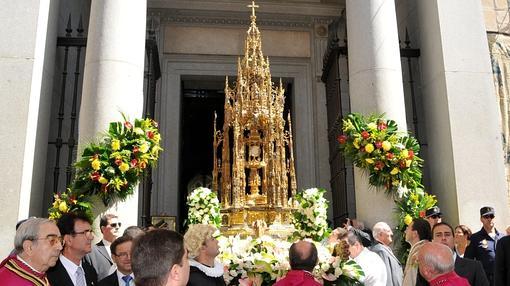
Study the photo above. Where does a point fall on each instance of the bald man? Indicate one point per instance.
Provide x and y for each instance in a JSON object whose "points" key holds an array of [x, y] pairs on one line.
{"points": [[435, 262], [302, 258]]}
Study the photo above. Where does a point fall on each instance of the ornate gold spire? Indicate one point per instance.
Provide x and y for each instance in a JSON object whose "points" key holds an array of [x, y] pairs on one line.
{"points": [[254, 171]]}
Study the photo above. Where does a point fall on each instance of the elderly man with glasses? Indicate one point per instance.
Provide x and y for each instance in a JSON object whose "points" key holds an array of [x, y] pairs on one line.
{"points": [[71, 269], [37, 245], [101, 257], [483, 243]]}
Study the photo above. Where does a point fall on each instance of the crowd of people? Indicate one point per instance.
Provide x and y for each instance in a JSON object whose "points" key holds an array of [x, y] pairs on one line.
{"points": [[439, 253], [61, 253]]}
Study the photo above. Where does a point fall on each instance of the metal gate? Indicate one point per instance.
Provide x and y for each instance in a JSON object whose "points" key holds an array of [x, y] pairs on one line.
{"points": [[64, 121]]}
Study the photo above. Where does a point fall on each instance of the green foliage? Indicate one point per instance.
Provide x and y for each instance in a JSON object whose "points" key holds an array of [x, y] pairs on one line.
{"points": [[112, 168], [375, 145]]}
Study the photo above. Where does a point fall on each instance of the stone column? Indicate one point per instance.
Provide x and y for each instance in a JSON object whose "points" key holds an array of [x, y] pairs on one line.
{"points": [[465, 146], [375, 85], [113, 76], [27, 59]]}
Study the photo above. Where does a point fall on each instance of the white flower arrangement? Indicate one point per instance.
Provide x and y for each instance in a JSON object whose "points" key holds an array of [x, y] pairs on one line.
{"points": [[310, 216], [203, 207], [267, 259]]}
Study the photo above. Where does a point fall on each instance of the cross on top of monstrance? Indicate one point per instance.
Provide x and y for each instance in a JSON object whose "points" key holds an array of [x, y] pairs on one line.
{"points": [[255, 176], [253, 6]]}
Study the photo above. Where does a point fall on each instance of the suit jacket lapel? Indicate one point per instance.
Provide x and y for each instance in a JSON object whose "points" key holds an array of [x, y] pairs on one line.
{"points": [[62, 272], [102, 249], [459, 264]]}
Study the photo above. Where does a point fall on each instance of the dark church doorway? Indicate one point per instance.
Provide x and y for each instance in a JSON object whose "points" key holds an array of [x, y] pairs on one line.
{"points": [[202, 96]]}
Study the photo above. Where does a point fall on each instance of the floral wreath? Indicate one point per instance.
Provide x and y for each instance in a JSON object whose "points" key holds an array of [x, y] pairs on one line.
{"points": [[203, 207], [390, 157], [112, 168], [310, 215]]}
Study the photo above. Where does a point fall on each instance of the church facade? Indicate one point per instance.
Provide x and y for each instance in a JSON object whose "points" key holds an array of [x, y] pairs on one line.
{"points": [[436, 67]]}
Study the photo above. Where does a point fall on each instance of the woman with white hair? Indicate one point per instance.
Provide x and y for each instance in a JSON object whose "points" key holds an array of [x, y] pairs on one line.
{"points": [[203, 248]]}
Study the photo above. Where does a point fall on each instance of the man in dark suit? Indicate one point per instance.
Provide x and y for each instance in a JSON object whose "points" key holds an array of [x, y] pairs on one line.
{"points": [[70, 270], [121, 255], [470, 269], [100, 256], [383, 237], [502, 269]]}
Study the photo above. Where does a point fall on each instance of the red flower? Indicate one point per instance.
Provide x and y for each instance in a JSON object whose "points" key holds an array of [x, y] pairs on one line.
{"points": [[379, 165], [422, 214], [128, 125], [365, 134], [134, 162], [135, 149], [389, 156], [378, 144], [342, 139], [143, 165], [402, 164], [118, 162], [382, 126], [411, 154], [150, 134], [95, 176]]}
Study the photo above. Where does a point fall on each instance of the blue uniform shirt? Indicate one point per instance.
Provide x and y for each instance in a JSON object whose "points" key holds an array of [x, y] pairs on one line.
{"points": [[483, 248]]}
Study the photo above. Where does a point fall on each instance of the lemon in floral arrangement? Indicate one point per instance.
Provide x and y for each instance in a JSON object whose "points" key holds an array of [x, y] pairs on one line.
{"points": [[113, 167], [67, 202], [390, 156]]}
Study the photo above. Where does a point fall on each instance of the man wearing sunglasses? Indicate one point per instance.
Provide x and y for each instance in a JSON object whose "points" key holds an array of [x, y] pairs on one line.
{"points": [[37, 245], [71, 269], [483, 243], [433, 216], [101, 257]]}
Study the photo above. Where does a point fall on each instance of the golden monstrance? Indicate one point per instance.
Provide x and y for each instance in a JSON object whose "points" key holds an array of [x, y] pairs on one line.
{"points": [[256, 175]]}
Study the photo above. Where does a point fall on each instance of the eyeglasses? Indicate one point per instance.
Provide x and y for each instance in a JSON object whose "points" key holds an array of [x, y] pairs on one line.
{"points": [[123, 254], [52, 239], [87, 232], [435, 216], [488, 216], [115, 224]]}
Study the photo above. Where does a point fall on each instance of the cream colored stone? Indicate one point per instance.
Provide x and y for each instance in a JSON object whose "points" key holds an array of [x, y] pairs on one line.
{"points": [[490, 17], [230, 41], [488, 4], [501, 4], [26, 69], [463, 124]]}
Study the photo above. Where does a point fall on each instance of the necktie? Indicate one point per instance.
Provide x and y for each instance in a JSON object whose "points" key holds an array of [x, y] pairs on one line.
{"points": [[127, 279], [80, 277]]}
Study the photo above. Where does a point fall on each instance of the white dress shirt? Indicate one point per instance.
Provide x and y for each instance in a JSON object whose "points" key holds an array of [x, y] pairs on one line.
{"points": [[121, 281], [70, 267], [373, 266]]}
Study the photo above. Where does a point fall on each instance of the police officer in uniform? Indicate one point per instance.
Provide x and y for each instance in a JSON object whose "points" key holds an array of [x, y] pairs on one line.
{"points": [[483, 243]]}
